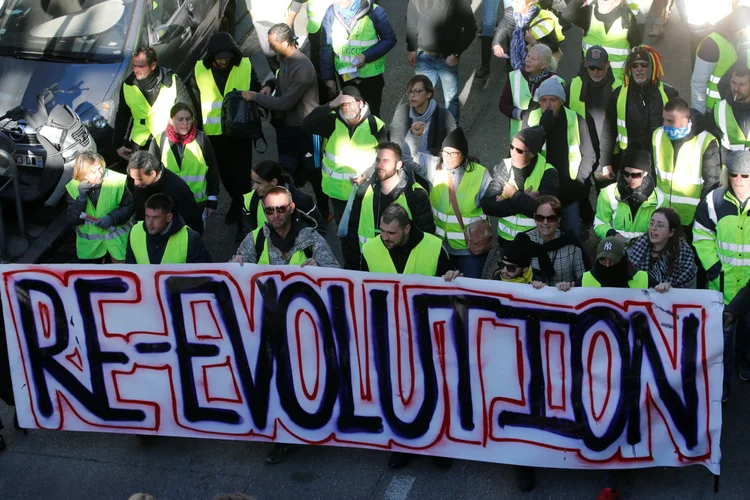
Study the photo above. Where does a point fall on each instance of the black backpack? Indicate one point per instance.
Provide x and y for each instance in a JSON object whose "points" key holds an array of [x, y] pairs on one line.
{"points": [[240, 119]]}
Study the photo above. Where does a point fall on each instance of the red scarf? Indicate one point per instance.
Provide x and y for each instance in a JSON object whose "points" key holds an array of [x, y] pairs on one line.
{"points": [[183, 140]]}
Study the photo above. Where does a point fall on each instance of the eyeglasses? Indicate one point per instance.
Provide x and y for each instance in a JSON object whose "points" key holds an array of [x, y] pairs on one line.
{"points": [[518, 150], [634, 175], [548, 218], [450, 154], [734, 176], [510, 267], [415, 91], [279, 210], [641, 65]]}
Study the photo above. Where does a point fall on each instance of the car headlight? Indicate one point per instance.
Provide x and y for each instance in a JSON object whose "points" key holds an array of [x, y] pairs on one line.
{"points": [[99, 116]]}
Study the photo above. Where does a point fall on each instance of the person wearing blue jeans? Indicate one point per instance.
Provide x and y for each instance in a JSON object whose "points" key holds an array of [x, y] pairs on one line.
{"points": [[437, 33], [489, 22]]}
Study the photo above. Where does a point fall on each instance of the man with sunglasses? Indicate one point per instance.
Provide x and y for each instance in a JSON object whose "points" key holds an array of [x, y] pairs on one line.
{"points": [[288, 237], [624, 209]]}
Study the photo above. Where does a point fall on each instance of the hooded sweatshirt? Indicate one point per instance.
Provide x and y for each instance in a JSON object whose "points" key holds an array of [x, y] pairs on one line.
{"points": [[156, 244]]}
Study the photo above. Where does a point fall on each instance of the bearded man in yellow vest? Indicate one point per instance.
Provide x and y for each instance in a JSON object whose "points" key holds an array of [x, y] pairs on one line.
{"points": [[732, 115], [146, 97], [163, 238], [221, 71]]}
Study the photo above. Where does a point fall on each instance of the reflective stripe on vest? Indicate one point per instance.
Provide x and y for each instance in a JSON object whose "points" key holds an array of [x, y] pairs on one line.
{"points": [[727, 57], [575, 103], [348, 45], [681, 180], [509, 227], [423, 258], [521, 93], [193, 169], [545, 23], [614, 41], [260, 215], [347, 156], [639, 280], [93, 242], [622, 107], [621, 219], [732, 136], [149, 120], [298, 258], [446, 223], [211, 98], [174, 253], [366, 229], [316, 11], [574, 139]]}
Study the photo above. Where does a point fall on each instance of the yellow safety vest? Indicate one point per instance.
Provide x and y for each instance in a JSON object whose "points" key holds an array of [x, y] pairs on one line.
{"points": [[347, 45], [574, 139], [423, 258], [93, 242], [622, 113], [260, 215], [614, 214], [639, 280], [733, 137], [509, 227], [614, 41], [211, 98], [727, 57], [193, 170], [174, 253], [316, 11], [574, 102], [545, 23], [298, 258], [149, 121], [366, 228], [521, 93], [446, 222]]}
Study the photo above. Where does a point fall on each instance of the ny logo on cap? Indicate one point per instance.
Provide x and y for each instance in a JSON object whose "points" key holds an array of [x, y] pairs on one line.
{"points": [[596, 53], [608, 245]]}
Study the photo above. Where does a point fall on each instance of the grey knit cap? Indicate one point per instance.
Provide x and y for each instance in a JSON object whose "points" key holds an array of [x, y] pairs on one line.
{"points": [[738, 162], [550, 86]]}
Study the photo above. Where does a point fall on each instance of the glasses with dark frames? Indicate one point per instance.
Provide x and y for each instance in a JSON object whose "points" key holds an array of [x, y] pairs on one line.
{"points": [[279, 210]]}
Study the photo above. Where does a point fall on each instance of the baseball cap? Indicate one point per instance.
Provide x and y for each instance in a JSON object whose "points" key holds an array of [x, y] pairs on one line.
{"points": [[596, 57], [612, 247]]}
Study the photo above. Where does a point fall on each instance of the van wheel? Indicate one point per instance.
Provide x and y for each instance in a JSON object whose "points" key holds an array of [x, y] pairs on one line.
{"points": [[228, 22]]}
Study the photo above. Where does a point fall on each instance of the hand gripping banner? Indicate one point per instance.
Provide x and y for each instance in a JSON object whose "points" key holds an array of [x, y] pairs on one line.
{"points": [[479, 370]]}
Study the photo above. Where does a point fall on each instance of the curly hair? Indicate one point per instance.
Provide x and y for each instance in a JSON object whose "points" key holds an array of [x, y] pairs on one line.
{"points": [[657, 69]]}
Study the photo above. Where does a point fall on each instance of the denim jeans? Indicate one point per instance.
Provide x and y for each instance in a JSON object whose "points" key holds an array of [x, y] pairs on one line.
{"points": [[470, 265], [489, 16], [571, 219], [434, 68]]}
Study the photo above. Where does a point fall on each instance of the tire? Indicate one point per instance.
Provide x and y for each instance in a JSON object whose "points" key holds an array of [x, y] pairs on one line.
{"points": [[228, 21]]}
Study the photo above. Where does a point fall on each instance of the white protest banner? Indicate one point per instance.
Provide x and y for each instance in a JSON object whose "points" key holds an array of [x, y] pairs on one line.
{"points": [[480, 370]]}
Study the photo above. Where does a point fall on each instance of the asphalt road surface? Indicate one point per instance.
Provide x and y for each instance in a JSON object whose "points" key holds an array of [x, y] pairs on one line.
{"points": [[71, 465]]}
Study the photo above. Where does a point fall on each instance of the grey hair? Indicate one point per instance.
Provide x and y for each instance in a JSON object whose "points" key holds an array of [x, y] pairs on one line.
{"points": [[546, 54], [395, 212], [143, 160]]}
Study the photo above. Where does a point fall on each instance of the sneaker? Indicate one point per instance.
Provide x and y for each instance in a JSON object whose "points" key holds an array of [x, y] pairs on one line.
{"points": [[442, 462], [278, 453], [608, 494], [526, 478], [398, 460], [745, 369]]}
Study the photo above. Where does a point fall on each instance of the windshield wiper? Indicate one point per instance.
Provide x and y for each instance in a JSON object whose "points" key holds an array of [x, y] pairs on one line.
{"points": [[52, 56]]}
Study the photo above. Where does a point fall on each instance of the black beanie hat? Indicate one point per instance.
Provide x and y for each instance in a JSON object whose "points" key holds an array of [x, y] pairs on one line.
{"points": [[353, 91], [636, 158], [457, 140], [519, 251], [533, 138]]}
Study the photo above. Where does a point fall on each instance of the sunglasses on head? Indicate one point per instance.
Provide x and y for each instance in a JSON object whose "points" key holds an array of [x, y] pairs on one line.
{"points": [[744, 176], [542, 218], [634, 175], [641, 65], [510, 267], [279, 210], [518, 150]]}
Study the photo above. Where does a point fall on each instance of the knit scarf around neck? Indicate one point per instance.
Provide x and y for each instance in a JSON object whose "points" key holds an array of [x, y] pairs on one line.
{"points": [[182, 140], [517, 41], [348, 13], [525, 278], [426, 118]]}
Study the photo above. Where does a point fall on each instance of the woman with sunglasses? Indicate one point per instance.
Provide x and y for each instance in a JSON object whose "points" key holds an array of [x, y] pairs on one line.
{"points": [[624, 209], [664, 254], [266, 175], [560, 256], [454, 176]]}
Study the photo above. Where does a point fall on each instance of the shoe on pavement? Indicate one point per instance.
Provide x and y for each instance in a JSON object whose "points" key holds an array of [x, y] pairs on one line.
{"points": [[745, 369], [608, 494], [278, 453], [442, 462], [526, 478], [398, 460]]}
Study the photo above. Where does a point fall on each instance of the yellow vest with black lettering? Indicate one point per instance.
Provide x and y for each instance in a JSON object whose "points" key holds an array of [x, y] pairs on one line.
{"points": [[366, 229], [260, 215], [574, 139], [639, 280], [149, 121], [423, 258], [727, 57], [521, 93], [298, 258], [733, 137], [574, 102], [345, 156], [622, 114], [509, 227], [93, 242], [614, 41], [174, 253], [193, 169], [680, 180], [211, 98], [347, 45], [446, 222]]}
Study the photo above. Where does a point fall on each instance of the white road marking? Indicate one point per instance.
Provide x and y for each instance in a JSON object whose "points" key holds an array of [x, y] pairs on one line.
{"points": [[399, 488]]}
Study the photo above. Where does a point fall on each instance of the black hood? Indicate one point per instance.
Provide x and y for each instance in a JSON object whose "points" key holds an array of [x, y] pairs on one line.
{"points": [[221, 41]]}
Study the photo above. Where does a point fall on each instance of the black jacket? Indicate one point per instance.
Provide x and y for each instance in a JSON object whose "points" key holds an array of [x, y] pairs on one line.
{"points": [[442, 123], [417, 199], [121, 136], [443, 26], [495, 205], [597, 96], [157, 244], [220, 42], [120, 215], [644, 112], [322, 122], [302, 202], [173, 186], [711, 172], [400, 255]]}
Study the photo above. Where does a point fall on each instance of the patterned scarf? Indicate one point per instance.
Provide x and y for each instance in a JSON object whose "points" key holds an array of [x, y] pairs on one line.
{"points": [[426, 118], [517, 41], [182, 140], [348, 13]]}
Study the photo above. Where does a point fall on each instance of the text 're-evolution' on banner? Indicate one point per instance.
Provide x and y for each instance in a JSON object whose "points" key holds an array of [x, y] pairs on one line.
{"points": [[478, 370]]}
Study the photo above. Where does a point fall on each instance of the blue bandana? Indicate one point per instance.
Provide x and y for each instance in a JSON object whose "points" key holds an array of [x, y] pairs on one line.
{"points": [[675, 133]]}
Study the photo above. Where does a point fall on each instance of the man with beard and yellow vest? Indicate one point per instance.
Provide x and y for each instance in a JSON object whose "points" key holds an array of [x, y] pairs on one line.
{"points": [[517, 181], [732, 115], [221, 71], [146, 97], [686, 158], [568, 148], [389, 183], [163, 238], [351, 132], [100, 208]]}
